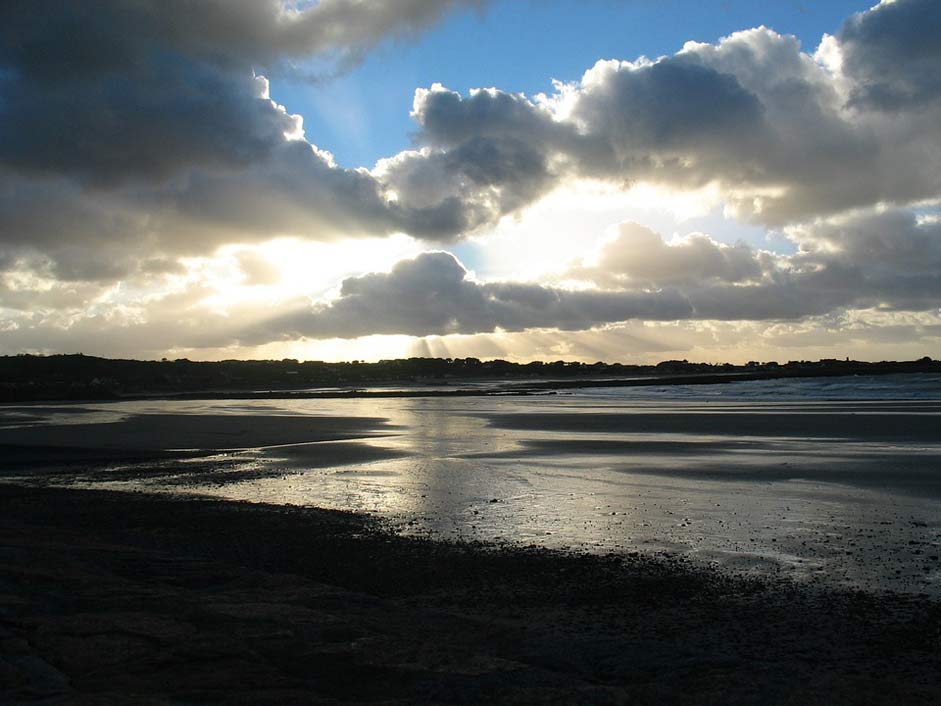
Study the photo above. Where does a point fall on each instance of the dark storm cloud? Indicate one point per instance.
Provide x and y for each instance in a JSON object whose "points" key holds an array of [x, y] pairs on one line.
{"points": [[893, 54], [146, 124], [137, 129], [110, 90], [55, 40]]}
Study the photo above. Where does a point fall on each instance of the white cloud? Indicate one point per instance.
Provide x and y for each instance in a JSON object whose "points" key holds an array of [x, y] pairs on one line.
{"points": [[640, 257], [108, 197]]}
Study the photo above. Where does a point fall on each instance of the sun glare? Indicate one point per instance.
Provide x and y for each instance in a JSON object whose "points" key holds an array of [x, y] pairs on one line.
{"points": [[288, 268], [545, 239]]}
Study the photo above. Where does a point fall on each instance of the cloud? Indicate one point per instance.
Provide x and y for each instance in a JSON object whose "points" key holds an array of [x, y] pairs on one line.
{"points": [[892, 54], [257, 270], [882, 265], [863, 334], [638, 256], [116, 90], [142, 130], [50, 40], [433, 294], [659, 111], [877, 260], [134, 134], [144, 124], [894, 256], [784, 135], [864, 261], [293, 189]]}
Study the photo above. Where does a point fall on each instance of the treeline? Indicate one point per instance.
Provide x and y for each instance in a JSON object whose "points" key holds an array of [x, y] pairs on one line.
{"points": [[73, 377]]}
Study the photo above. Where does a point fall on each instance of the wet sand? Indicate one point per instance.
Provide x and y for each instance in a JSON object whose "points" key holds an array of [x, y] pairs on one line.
{"points": [[167, 432], [161, 598], [861, 422], [838, 493], [110, 598]]}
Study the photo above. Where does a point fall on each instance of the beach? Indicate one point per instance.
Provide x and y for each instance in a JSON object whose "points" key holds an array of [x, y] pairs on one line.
{"points": [[594, 548], [111, 598], [842, 492], [470, 352]]}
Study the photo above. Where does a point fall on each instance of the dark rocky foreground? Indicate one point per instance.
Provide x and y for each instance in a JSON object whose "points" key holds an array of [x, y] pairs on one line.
{"points": [[110, 598]]}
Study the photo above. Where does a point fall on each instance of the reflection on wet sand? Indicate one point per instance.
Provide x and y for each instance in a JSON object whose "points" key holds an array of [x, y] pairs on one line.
{"points": [[164, 432], [849, 422], [837, 492]]}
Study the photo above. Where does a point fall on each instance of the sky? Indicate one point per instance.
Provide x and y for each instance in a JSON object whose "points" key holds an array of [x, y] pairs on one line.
{"points": [[618, 180]]}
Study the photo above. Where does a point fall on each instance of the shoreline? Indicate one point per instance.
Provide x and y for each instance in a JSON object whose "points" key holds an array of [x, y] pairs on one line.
{"points": [[110, 598], [498, 387], [845, 494]]}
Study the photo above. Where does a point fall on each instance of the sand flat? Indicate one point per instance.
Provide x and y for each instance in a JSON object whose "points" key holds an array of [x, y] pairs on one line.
{"points": [[161, 432], [792, 488], [106, 600], [848, 422], [594, 554]]}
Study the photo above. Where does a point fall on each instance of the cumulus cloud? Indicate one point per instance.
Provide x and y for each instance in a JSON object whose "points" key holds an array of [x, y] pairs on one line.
{"points": [[877, 261], [132, 134], [892, 54], [143, 129], [639, 256], [433, 293], [894, 257], [50, 39], [864, 261], [146, 124], [113, 90], [786, 136]]}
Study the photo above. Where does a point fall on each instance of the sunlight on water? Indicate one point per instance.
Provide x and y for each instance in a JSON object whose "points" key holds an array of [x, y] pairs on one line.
{"points": [[797, 478]]}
